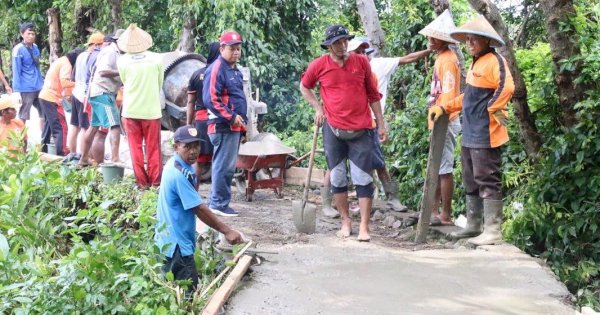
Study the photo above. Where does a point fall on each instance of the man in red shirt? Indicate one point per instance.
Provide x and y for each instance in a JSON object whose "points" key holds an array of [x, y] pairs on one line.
{"points": [[349, 93]]}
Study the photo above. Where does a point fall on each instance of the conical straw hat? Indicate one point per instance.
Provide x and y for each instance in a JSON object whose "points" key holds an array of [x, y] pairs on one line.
{"points": [[478, 26], [134, 40], [440, 28]]}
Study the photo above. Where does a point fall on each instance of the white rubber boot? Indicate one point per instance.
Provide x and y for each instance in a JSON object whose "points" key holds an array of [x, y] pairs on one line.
{"points": [[328, 211], [492, 233], [391, 189]]}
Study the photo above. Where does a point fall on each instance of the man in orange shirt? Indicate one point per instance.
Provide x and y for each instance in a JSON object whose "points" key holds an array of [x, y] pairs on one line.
{"points": [[9, 124], [488, 90], [57, 85], [445, 86]]}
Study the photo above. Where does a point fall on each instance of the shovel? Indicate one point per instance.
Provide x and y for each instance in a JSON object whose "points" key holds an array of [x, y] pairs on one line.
{"points": [[304, 215]]}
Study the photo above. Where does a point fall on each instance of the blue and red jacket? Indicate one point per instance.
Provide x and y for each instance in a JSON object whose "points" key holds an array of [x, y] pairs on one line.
{"points": [[223, 96]]}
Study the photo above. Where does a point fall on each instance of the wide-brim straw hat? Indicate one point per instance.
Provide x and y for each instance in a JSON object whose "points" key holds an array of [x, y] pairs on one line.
{"points": [[440, 28], [478, 26], [6, 102], [134, 40]]}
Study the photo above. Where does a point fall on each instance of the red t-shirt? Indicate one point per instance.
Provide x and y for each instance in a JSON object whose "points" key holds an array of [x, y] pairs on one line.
{"points": [[346, 91]]}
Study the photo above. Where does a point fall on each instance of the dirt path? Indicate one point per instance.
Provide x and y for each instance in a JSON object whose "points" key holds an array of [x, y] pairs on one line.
{"points": [[321, 274]]}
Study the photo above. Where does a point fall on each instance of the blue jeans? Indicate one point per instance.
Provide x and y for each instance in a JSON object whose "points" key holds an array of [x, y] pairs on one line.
{"points": [[226, 146]]}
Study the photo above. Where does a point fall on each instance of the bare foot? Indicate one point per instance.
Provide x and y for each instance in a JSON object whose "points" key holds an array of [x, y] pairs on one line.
{"points": [[446, 220], [346, 229], [363, 234]]}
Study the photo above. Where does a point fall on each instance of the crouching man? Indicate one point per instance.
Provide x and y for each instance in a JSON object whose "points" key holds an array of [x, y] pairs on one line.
{"points": [[178, 206]]}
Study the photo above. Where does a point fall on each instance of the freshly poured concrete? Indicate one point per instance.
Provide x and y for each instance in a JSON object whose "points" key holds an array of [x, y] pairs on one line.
{"points": [[331, 276]]}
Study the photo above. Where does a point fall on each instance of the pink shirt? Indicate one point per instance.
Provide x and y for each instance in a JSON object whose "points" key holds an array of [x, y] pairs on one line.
{"points": [[346, 91]]}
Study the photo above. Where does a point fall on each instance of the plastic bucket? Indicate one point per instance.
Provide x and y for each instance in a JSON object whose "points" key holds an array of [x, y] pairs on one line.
{"points": [[111, 172], [51, 148]]}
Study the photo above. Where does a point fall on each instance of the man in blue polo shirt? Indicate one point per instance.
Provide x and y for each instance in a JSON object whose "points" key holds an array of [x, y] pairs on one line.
{"points": [[178, 206]]}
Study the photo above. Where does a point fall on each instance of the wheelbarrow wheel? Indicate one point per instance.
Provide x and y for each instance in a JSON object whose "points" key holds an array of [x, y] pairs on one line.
{"points": [[249, 196]]}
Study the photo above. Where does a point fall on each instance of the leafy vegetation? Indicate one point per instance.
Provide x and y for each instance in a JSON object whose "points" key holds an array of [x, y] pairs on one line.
{"points": [[70, 244]]}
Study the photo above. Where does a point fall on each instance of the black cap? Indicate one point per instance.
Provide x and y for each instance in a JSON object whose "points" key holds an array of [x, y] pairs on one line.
{"points": [[26, 26], [186, 134], [334, 33]]}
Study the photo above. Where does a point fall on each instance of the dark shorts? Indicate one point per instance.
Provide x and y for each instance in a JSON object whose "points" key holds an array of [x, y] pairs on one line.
{"points": [[358, 153], [206, 147], [182, 267], [79, 117], [378, 160], [482, 174], [29, 99]]}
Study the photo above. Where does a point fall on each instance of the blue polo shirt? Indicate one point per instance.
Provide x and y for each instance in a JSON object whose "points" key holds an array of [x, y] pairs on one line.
{"points": [[26, 74], [176, 198]]}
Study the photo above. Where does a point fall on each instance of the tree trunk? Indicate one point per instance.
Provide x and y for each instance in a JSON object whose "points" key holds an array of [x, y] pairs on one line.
{"points": [[54, 34], [84, 18], [187, 42], [564, 46], [370, 20], [439, 6], [529, 133], [116, 11]]}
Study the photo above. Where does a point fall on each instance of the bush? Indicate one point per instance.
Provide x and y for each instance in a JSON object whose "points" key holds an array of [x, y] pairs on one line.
{"points": [[70, 244]]}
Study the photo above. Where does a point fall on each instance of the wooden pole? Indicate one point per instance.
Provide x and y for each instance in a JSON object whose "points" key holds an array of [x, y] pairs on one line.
{"points": [[436, 147]]}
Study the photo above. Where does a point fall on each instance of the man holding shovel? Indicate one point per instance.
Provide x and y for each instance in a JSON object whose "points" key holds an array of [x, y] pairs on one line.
{"points": [[349, 93]]}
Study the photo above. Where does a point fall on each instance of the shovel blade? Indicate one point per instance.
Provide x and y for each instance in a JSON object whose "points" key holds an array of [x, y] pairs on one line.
{"points": [[305, 219]]}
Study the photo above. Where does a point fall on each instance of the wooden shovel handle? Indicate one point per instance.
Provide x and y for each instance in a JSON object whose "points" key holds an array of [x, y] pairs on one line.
{"points": [[311, 163]]}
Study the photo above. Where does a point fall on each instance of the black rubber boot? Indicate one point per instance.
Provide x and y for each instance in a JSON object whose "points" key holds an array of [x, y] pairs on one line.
{"points": [[474, 218]]}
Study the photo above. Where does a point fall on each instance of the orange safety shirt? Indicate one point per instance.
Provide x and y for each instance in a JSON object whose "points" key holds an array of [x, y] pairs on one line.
{"points": [[489, 88], [58, 82], [445, 84], [15, 126]]}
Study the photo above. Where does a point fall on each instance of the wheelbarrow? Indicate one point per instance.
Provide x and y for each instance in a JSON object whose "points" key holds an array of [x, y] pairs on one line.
{"points": [[258, 157]]}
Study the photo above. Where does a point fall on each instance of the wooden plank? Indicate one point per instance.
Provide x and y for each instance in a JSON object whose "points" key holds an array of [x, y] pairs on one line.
{"points": [[436, 147], [224, 272], [297, 176], [222, 294]]}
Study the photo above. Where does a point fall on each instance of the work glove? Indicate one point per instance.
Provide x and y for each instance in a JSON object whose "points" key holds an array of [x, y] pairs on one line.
{"points": [[435, 112], [500, 117]]}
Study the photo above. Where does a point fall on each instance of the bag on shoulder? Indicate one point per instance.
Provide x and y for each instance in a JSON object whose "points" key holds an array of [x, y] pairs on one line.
{"points": [[344, 134]]}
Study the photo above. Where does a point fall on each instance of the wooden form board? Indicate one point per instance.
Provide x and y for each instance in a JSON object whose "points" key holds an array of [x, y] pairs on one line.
{"points": [[297, 176], [436, 147], [218, 299]]}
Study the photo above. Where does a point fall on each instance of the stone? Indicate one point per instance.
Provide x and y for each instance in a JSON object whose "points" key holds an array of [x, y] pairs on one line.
{"points": [[397, 224], [389, 220], [378, 215]]}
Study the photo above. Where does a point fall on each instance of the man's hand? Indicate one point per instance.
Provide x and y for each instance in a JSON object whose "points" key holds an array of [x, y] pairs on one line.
{"points": [[319, 117], [435, 112], [500, 117], [234, 237], [383, 136], [8, 89], [238, 121]]}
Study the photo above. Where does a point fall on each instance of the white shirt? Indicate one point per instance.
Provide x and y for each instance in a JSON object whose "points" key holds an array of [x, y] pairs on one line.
{"points": [[383, 69]]}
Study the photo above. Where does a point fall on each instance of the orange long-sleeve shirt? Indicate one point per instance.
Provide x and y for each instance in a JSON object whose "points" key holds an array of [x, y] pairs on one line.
{"points": [[489, 88], [58, 83], [445, 84]]}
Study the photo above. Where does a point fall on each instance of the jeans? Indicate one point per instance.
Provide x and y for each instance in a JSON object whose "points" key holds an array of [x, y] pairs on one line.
{"points": [[226, 146]]}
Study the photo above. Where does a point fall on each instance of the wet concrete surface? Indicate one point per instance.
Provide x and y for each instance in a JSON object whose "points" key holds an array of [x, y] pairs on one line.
{"points": [[333, 276]]}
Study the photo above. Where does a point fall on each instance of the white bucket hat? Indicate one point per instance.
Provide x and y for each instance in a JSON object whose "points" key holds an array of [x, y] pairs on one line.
{"points": [[134, 40], [358, 42], [440, 28], [478, 26]]}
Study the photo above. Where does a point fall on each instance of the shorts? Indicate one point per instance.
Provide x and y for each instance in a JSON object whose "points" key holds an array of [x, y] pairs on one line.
{"points": [[27, 100], [447, 165], [206, 147], [104, 111], [79, 118], [182, 267], [378, 160], [359, 154]]}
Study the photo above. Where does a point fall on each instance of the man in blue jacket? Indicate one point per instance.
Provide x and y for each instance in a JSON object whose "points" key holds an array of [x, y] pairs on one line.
{"points": [[27, 77], [223, 96]]}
